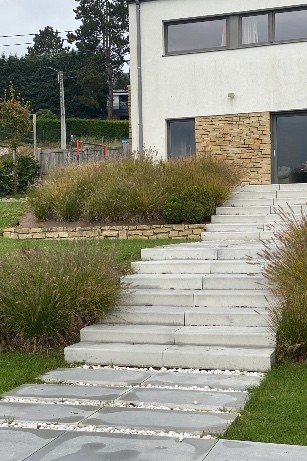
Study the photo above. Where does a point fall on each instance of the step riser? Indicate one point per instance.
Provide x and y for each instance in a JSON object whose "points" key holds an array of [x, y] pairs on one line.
{"points": [[172, 358], [258, 202], [231, 236], [244, 320], [234, 227], [235, 300], [232, 210], [214, 267], [206, 254], [249, 219]]}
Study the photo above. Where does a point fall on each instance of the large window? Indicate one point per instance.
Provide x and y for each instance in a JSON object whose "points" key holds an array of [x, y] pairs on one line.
{"points": [[196, 35], [236, 30], [181, 137]]}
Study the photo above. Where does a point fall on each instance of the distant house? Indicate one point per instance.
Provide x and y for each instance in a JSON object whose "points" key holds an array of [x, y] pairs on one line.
{"points": [[120, 105], [226, 78]]}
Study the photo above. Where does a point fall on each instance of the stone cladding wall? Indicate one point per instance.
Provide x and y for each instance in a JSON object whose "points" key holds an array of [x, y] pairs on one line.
{"points": [[138, 232], [241, 139]]}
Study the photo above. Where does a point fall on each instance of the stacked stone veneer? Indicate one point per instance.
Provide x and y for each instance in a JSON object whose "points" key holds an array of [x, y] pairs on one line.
{"points": [[138, 232], [241, 139]]}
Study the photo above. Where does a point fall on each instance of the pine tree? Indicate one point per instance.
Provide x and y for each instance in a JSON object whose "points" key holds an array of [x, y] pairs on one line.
{"points": [[47, 42], [104, 32]]}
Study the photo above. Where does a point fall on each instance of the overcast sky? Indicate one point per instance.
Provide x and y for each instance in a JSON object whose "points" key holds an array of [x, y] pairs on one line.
{"points": [[28, 16]]}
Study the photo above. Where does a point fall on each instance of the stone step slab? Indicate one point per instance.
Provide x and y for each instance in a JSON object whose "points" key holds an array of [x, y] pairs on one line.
{"points": [[254, 194], [249, 219], [58, 392], [243, 227], [157, 356], [229, 236], [240, 210], [142, 315], [103, 376], [84, 446], [161, 420], [221, 266], [228, 316], [187, 399], [44, 413], [154, 254], [233, 298], [129, 377]]}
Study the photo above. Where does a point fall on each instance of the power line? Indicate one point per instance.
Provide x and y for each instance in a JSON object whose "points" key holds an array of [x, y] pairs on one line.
{"points": [[26, 35]]}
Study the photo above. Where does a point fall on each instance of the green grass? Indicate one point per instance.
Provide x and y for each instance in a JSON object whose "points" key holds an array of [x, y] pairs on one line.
{"points": [[18, 368], [10, 212], [276, 411]]}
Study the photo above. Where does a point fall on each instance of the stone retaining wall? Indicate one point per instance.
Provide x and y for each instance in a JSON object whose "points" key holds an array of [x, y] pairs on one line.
{"points": [[241, 139], [138, 232]]}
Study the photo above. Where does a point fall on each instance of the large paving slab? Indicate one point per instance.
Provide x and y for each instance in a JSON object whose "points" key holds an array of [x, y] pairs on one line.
{"points": [[18, 444], [60, 392], [44, 413], [215, 381], [191, 399], [161, 420], [227, 450], [102, 376], [82, 446]]}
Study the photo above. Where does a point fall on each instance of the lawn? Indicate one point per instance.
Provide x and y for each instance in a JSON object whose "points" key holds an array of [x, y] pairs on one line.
{"points": [[10, 213], [277, 410]]}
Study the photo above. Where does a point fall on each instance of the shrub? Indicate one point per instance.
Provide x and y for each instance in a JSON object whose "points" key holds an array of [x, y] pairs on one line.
{"points": [[193, 212], [286, 270], [27, 171], [173, 209], [131, 190], [47, 295]]}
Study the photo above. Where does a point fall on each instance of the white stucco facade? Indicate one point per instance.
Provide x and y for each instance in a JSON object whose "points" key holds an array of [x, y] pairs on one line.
{"points": [[267, 78]]}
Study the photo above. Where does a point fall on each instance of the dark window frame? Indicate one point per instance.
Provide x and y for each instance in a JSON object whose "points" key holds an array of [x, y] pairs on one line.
{"points": [[234, 30], [182, 119]]}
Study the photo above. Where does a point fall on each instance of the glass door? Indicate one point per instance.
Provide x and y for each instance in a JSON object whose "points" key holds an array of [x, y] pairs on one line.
{"points": [[290, 147]]}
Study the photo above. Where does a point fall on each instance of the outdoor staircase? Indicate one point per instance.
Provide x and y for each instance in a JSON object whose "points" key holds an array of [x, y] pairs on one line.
{"points": [[201, 305]]}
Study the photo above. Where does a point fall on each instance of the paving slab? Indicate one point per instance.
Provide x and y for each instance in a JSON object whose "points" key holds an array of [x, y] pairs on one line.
{"points": [[96, 376], [44, 413], [162, 420], [228, 450], [82, 446], [18, 444], [191, 399], [218, 381], [60, 392]]}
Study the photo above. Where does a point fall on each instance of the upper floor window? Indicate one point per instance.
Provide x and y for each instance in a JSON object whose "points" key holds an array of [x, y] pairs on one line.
{"points": [[236, 30], [196, 35]]}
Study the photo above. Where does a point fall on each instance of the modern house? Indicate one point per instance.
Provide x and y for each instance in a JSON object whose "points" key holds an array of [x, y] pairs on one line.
{"points": [[120, 104], [222, 78]]}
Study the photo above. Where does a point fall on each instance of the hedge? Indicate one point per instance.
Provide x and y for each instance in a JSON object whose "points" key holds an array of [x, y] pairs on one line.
{"points": [[27, 171], [49, 130]]}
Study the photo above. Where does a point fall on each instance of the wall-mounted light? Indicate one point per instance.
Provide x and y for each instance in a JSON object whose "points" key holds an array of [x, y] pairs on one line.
{"points": [[231, 95]]}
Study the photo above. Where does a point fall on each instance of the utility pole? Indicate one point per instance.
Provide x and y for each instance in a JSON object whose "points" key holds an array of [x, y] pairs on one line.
{"points": [[62, 107], [34, 137]]}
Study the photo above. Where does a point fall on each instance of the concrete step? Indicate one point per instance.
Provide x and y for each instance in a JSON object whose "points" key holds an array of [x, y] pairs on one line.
{"points": [[180, 316], [177, 252], [132, 377], [243, 227], [257, 188], [240, 210], [254, 194], [221, 266], [248, 202], [249, 219], [130, 334], [154, 355], [293, 194], [193, 281], [236, 336], [189, 298], [295, 186], [290, 209], [285, 202], [233, 336], [230, 236]]}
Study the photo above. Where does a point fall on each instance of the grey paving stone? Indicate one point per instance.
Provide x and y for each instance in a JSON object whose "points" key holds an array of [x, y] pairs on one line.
{"points": [[187, 399], [66, 392], [103, 376], [36, 412], [18, 444], [237, 382], [166, 420], [227, 450], [101, 447]]}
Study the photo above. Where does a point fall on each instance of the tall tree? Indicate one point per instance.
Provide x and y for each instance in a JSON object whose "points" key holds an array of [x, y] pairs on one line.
{"points": [[47, 41], [104, 31]]}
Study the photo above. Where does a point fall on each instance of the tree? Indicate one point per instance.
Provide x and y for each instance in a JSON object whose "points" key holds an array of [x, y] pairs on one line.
{"points": [[15, 122], [104, 32], [47, 41]]}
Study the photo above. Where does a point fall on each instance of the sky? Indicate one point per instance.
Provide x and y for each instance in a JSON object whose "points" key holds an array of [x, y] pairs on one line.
{"points": [[29, 16]]}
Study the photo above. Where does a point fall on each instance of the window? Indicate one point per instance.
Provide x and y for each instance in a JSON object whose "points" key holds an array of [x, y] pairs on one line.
{"points": [[181, 138], [196, 35], [291, 25], [255, 29], [236, 30]]}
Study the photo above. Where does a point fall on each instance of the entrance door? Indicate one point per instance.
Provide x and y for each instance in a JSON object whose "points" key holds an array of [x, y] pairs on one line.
{"points": [[290, 147]]}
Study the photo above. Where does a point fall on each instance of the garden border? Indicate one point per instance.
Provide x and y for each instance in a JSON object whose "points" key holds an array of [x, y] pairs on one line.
{"points": [[136, 232]]}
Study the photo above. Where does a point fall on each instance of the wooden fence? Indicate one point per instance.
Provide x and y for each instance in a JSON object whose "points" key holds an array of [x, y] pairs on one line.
{"points": [[51, 159]]}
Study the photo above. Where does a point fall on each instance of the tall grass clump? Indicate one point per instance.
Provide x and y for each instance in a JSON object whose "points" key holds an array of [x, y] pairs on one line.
{"points": [[286, 270], [47, 295], [133, 190]]}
